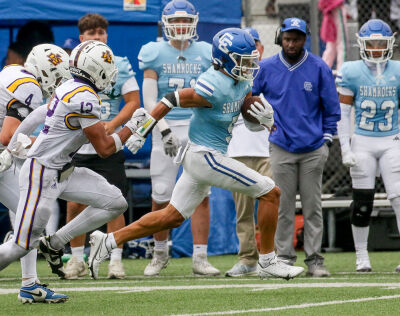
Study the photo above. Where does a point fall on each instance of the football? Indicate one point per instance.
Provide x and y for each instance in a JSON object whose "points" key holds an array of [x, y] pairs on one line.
{"points": [[246, 106]]}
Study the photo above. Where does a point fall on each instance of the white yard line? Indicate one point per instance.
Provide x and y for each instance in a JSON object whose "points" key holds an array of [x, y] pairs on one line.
{"points": [[254, 287], [300, 306]]}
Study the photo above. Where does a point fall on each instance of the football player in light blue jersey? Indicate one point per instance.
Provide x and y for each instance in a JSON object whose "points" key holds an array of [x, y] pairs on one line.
{"points": [[169, 66], [94, 27], [216, 100], [372, 86]]}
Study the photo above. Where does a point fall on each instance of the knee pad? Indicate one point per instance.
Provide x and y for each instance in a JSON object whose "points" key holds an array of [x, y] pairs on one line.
{"points": [[361, 207]]}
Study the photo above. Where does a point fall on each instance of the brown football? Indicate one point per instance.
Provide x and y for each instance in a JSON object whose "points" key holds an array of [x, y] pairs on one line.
{"points": [[246, 106]]}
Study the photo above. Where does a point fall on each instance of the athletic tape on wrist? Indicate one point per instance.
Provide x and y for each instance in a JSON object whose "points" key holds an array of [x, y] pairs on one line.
{"points": [[117, 141], [171, 99]]}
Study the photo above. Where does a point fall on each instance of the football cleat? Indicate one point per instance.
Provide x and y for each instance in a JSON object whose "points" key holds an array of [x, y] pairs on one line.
{"points": [[363, 264], [39, 293], [279, 269], [160, 261], [240, 269], [75, 269], [317, 270], [98, 252], [53, 256], [116, 270], [201, 266]]}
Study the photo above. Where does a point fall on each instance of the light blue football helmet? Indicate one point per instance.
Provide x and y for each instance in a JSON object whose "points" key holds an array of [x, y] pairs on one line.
{"points": [[375, 36], [174, 30], [234, 50]]}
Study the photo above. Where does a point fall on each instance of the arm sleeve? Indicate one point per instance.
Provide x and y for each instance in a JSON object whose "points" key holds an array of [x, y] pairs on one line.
{"points": [[344, 127], [29, 125], [330, 103], [150, 93]]}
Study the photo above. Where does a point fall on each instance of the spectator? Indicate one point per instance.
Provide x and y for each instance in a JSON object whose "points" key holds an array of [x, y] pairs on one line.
{"points": [[250, 148], [301, 89], [94, 27], [334, 31]]}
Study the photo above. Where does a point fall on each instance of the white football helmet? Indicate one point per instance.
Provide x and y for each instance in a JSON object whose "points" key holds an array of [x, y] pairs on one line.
{"points": [[49, 64], [94, 61]]}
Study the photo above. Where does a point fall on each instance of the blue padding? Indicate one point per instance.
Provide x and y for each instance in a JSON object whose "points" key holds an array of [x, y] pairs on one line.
{"points": [[222, 237]]}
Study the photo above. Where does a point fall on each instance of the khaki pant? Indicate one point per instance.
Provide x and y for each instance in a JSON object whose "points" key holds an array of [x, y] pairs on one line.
{"points": [[245, 227]]}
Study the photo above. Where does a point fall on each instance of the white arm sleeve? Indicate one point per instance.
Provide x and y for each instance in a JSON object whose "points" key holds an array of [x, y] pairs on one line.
{"points": [[29, 124], [344, 127], [150, 93]]}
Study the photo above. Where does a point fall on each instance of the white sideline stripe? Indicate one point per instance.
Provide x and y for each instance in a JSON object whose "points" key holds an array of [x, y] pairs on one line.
{"points": [[300, 306], [254, 287]]}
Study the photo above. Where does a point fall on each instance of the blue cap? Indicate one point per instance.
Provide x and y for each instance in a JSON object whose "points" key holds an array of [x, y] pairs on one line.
{"points": [[252, 32], [70, 43], [294, 24]]}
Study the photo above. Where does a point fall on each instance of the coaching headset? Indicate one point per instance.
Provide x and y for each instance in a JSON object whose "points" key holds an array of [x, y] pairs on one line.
{"points": [[290, 24]]}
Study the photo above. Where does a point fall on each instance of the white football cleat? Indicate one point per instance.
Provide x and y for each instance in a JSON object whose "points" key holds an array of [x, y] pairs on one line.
{"points": [[279, 269], [160, 261], [201, 266], [116, 270], [75, 269], [98, 252], [363, 264]]}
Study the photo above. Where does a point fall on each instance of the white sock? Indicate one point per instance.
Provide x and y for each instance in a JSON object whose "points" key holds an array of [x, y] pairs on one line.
{"points": [[77, 252], [116, 255], [199, 249], [28, 282], [28, 265], [110, 241], [265, 258], [360, 236], [396, 208], [161, 245]]}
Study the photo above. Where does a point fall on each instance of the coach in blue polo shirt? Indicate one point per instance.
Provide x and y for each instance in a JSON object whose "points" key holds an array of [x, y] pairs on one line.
{"points": [[301, 89]]}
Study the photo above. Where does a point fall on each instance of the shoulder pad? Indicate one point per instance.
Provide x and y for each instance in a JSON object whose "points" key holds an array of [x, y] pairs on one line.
{"points": [[148, 53], [124, 66]]}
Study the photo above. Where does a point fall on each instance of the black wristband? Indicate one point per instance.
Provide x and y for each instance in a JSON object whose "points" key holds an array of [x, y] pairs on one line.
{"points": [[170, 100], [165, 132]]}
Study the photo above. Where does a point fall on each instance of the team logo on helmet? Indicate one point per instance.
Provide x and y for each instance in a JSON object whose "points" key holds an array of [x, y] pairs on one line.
{"points": [[55, 59], [107, 57]]}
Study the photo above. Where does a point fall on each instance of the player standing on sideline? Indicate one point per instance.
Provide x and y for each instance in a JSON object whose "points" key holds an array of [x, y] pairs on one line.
{"points": [[216, 101], [73, 119], [252, 149], [372, 86], [169, 66], [94, 27], [22, 89]]}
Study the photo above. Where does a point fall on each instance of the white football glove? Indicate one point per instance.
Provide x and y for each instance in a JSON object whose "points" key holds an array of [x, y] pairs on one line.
{"points": [[19, 148], [262, 112], [349, 158], [137, 119], [5, 160], [171, 143], [134, 143]]}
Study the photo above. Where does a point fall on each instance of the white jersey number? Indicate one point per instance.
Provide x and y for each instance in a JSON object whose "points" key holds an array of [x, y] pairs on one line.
{"points": [[369, 111], [230, 128], [179, 83]]}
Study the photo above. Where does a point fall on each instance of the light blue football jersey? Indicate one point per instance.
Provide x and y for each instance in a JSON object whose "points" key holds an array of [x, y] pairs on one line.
{"points": [[172, 73], [376, 98], [212, 127], [112, 99]]}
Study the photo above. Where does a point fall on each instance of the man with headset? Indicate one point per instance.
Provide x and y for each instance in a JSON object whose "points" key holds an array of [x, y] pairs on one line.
{"points": [[302, 92]]}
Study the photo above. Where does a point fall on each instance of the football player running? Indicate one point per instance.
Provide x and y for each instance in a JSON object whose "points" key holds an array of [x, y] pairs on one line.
{"points": [[22, 89], [372, 86], [169, 66], [216, 100], [73, 119]]}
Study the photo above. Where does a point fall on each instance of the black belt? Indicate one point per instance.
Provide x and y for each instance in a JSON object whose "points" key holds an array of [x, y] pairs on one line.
{"points": [[65, 172]]}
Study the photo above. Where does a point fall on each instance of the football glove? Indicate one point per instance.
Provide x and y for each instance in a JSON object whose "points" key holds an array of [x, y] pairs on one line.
{"points": [[5, 160], [134, 143], [138, 118], [19, 148], [171, 143], [349, 158], [262, 112]]}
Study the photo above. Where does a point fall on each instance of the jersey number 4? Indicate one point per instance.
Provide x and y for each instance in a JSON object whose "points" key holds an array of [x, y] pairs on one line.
{"points": [[369, 111]]}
